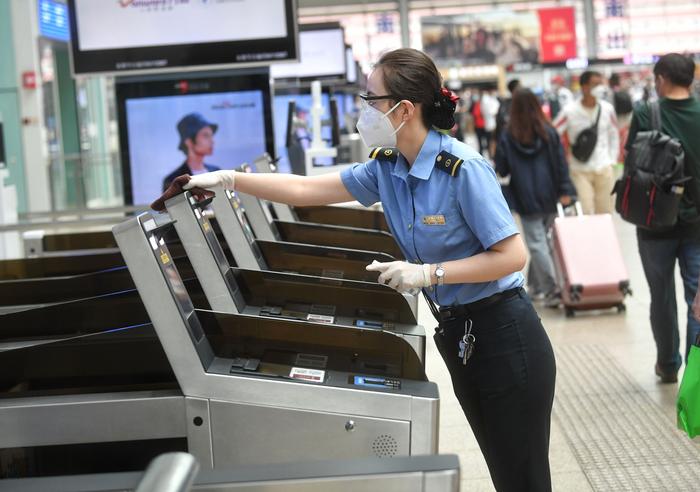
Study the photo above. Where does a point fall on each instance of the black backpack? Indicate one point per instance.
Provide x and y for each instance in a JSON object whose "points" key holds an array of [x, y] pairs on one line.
{"points": [[650, 190], [586, 141], [622, 102]]}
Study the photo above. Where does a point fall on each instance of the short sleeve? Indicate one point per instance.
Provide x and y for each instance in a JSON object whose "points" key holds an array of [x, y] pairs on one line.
{"points": [[361, 182], [482, 203]]}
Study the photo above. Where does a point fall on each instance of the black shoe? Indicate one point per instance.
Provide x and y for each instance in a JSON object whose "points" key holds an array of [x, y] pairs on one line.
{"points": [[666, 377]]}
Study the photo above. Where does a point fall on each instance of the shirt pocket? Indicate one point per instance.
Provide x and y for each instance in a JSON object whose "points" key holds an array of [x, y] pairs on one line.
{"points": [[442, 236]]}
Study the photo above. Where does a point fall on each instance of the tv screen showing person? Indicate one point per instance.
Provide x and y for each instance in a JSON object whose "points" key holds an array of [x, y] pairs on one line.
{"points": [[197, 143], [190, 134]]}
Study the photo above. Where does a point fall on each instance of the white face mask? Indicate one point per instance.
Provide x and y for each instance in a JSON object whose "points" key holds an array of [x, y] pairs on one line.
{"points": [[599, 92], [375, 128]]}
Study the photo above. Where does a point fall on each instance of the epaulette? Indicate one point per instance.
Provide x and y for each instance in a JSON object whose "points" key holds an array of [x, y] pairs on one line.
{"points": [[384, 154], [448, 163]]}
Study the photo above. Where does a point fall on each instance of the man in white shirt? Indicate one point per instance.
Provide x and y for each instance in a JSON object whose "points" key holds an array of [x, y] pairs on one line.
{"points": [[593, 178]]}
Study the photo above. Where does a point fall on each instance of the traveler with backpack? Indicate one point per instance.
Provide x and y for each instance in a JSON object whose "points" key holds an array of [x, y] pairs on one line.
{"points": [[531, 153], [660, 192], [590, 127]]}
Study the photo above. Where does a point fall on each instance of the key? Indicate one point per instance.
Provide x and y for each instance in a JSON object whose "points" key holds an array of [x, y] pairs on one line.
{"points": [[468, 348], [466, 344]]}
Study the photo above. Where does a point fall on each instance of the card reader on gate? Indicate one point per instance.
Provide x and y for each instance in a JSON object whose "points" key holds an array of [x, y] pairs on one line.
{"points": [[375, 382], [365, 323]]}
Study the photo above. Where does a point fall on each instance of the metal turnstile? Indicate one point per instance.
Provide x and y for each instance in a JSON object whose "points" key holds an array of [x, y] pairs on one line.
{"points": [[327, 261], [174, 472], [270, 229], [323, 214], [281, 387], [206, 382], [366, 305]]}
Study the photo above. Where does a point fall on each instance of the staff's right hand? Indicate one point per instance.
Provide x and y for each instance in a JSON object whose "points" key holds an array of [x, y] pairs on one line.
{"points": [[224, 178]]}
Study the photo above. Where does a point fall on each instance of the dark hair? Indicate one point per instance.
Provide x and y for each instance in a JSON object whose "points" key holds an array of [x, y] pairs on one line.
{"points": [[411, 75], [513, 85], [676, 68], [526, 117], [614, 80], [587, 76]]}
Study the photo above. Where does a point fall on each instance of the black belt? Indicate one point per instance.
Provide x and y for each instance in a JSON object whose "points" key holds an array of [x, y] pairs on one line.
{"points": [[451, 312]]}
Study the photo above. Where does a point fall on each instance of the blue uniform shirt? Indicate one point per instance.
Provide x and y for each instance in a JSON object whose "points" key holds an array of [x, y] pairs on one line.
{"points": [[416, 200]]}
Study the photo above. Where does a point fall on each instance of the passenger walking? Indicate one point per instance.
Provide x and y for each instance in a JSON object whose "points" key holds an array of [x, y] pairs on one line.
{"points": [[590, 126], [659, 250], [445, 209], [531, 153]]}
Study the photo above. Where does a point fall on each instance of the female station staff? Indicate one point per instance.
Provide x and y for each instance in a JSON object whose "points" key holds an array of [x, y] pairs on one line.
{"points": [[446, 210]]}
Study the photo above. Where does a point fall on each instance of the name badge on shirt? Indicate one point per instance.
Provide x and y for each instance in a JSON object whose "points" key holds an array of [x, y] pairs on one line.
{"points": [[434, 220]]}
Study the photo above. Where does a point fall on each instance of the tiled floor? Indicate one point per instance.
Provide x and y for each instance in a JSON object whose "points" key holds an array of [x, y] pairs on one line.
{"points": [[627, 338]]}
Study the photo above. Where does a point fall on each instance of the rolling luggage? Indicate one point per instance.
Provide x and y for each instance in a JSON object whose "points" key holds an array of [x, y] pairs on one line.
{"points": [[591, 272]]}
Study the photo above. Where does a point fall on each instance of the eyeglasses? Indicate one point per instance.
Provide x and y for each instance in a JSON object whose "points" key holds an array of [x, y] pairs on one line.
{"points": [[370, 100]]}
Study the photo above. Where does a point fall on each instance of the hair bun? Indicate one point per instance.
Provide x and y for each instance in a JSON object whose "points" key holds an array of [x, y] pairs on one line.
{"points": [[443, 116]]}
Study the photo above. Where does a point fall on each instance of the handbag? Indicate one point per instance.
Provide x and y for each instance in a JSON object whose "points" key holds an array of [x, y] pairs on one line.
{"points": [[688, 403], [586, 141]]}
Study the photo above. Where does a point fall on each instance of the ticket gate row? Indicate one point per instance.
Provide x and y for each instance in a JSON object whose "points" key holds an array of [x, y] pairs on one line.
{"points": [[322, 214], [341, 302], [16, 288], [230, 388], [265, 227], [361, 304], [179, 472]]}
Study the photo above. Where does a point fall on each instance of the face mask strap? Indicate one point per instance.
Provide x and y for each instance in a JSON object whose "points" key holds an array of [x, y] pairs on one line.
{"points": [[386, 115]]}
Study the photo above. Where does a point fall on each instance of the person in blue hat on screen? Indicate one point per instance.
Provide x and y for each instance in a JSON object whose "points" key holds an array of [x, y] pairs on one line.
{"points": [[196, 142]]}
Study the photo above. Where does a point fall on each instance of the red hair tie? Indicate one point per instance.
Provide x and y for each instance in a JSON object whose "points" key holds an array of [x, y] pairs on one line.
{"points": [[448, 93]]}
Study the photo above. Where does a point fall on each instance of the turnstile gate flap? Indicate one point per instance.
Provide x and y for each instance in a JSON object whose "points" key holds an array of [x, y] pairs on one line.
{"points": [[280, 345], [120, 360]]}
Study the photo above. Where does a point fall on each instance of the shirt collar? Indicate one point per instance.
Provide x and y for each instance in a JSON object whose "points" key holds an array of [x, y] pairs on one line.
{"points": [[425, 161]]}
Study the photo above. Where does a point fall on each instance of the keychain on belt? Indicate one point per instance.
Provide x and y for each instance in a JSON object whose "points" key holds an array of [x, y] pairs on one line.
{"points": [[466, 344]]}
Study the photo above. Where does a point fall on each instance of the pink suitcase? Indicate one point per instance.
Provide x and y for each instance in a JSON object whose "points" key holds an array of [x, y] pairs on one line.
{"points": [[590, 269]]}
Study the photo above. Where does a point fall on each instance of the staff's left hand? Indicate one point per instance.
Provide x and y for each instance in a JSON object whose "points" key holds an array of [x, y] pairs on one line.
{"points": [[401, 275]]}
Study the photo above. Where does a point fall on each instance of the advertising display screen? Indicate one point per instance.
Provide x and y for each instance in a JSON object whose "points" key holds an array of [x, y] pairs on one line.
{"points": [[495, 38], [151, 35], [321, 54], [173, 127]]}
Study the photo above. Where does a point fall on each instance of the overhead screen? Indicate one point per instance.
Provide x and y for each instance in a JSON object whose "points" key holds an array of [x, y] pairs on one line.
{"points": [[321, 54], [155, 116], [139, 35]]}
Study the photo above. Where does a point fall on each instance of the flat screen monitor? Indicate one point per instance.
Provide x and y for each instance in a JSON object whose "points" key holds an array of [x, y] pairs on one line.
{"points": [[220, 121], [155, 35], [302, 131], [321, 54], [351, 66]]}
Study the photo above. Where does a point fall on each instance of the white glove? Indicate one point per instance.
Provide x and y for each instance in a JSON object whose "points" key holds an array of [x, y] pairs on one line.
{"points": [[224, 178], [401, 275]]}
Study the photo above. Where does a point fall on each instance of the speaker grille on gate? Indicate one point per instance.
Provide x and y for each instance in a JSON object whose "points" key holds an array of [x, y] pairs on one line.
{"points": [[384, 446]]}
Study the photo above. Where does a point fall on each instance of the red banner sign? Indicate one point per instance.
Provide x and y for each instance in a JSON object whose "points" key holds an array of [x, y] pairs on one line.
{"points": [[557, 34]]}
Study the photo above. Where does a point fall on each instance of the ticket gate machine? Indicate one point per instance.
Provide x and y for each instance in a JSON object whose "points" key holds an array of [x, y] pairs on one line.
{"points": [[177, 472], [249, 252], [266, 227], [284, 389], [343, 302], [230, 389], [323, 214]]}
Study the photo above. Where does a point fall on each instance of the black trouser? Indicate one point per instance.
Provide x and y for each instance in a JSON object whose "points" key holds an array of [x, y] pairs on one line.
{"points": [[506, 389]]}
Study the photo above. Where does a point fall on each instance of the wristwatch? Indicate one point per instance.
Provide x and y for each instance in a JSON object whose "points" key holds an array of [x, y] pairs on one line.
{"points": [[440, 274]]}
